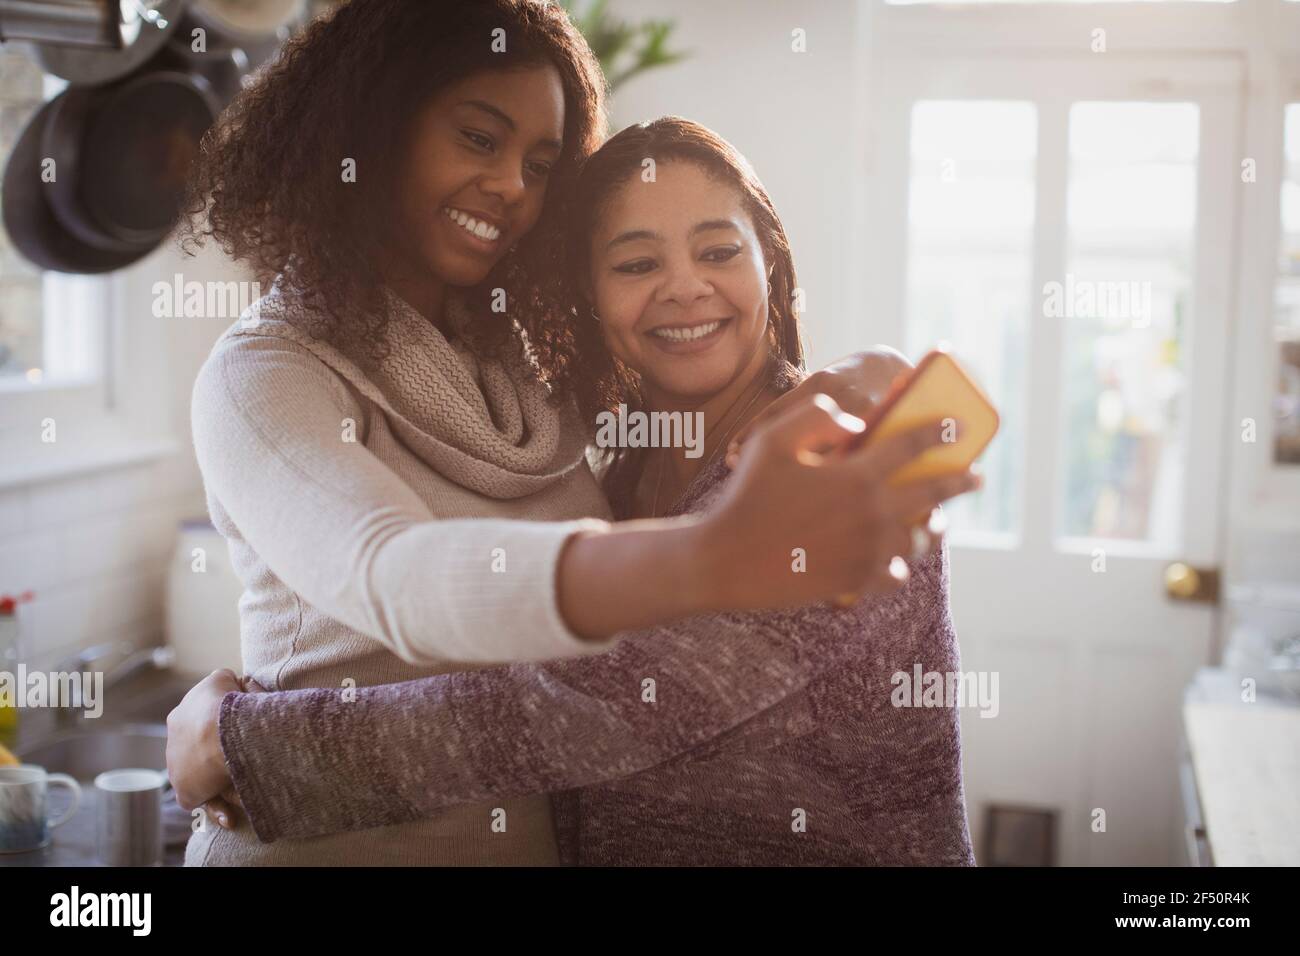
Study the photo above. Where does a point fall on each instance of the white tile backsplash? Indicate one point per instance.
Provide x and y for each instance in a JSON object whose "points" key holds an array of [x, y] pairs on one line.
{"points": [[62, 502], [28, 561], [79, 615], [95, 551], [119, 542], [13, 512]]}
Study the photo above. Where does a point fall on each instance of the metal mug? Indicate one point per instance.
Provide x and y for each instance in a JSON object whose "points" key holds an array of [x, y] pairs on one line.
{"points": [[24, 818], [129, 829]]}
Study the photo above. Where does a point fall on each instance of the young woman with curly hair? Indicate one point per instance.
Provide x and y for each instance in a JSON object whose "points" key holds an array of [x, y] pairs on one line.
{"points": [[391, 440]]}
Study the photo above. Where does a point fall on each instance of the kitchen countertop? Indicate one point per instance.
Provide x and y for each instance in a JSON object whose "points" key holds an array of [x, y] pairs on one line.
{"points": [[73, 844], [1246, 758], [137, 706]]}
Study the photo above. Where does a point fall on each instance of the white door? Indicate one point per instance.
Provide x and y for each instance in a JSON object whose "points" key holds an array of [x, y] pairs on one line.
{"points": [[1067, 225]]}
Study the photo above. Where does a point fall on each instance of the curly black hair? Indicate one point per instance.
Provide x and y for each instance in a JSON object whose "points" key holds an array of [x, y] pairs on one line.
{"points": [[267, 186]]}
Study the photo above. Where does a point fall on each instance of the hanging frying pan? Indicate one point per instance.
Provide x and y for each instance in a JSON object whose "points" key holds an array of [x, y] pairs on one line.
{"points": [[60, 142], [122, 154], [29, 220], [128, 148], [92, 67]]}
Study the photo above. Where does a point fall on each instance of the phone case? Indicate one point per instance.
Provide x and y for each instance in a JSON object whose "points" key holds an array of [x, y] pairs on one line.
{"points": [[937, 388]]}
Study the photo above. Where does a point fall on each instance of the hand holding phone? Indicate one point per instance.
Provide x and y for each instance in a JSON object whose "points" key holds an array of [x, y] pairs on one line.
{"points": [[936, 389]]}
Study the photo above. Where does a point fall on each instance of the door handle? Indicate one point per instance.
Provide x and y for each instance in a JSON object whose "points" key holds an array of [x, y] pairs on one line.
{"points": [[1186, 583]]}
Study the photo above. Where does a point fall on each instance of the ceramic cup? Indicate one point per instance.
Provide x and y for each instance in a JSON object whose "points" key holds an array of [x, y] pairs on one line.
{"points": [[24, 820], [130, 823]]}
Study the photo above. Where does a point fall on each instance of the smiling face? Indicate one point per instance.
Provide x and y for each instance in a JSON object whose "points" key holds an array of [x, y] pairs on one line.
{"points": [[476, 170], [679, 282]]}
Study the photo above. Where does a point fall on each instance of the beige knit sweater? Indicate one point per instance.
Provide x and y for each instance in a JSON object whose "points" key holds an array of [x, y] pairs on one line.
{"points": [[389, 520]]}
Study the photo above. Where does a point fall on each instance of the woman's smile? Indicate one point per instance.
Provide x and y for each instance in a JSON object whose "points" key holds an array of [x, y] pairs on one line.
{"points": [[689, 338], [478, 231]]}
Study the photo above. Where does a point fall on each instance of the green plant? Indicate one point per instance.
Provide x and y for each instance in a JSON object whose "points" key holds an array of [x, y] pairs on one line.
{"points": [[624, 49]]}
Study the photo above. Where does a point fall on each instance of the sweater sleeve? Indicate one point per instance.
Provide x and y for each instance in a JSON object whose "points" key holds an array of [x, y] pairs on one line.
{"points": [[341, 528], [309, 762]]}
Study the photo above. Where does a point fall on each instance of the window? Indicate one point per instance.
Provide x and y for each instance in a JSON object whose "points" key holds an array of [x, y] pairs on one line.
{"points": [[970, 242], [51, 325], [1131, 214], [1144, 206]]}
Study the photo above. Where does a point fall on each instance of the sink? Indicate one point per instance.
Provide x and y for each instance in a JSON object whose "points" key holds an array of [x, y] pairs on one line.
{"points": [[83, 755], [86, 754], [146, 701], [131, 734]]}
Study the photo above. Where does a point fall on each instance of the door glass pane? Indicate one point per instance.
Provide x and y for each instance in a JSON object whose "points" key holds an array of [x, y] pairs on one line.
{"points": [[1286, 411], [1125, 308], [970, 242]]}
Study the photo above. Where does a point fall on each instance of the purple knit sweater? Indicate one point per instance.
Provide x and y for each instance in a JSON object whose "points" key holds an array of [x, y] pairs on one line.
{"points": [[734, 738]]}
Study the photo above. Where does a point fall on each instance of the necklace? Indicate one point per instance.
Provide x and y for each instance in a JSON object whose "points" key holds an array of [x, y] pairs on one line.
{"points": [[663, 461]]}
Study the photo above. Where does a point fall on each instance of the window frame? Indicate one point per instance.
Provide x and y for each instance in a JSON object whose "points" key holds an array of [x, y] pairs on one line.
{"points": [[112, 421], [1270, 497], [1251, 52], [109, 419]]}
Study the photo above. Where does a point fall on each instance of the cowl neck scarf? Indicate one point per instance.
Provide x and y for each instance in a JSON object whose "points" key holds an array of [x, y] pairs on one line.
{"points": [[488, 424]]}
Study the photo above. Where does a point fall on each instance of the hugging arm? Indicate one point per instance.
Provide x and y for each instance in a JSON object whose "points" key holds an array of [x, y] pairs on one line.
{"points": [[308, 762]]}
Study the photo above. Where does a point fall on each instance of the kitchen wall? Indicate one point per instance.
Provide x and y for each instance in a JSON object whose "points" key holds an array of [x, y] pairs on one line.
{"points": [[95, 546], [795, 115]]}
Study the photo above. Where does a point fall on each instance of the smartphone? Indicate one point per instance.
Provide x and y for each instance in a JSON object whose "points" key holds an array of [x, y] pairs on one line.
{"points": [[937, 388]]}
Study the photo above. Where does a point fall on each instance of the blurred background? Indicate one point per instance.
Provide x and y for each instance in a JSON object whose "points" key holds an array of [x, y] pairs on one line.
{"points": [[1097, 205]]}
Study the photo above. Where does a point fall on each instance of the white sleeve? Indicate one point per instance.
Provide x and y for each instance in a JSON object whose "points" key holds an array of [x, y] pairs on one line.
{"points": [[341, 529]]}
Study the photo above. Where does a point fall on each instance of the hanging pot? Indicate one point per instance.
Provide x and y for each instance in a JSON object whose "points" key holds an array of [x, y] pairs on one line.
{"points": [[223, 71], [92, 67], [221, 61], [98, 24], [238, 37]]}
